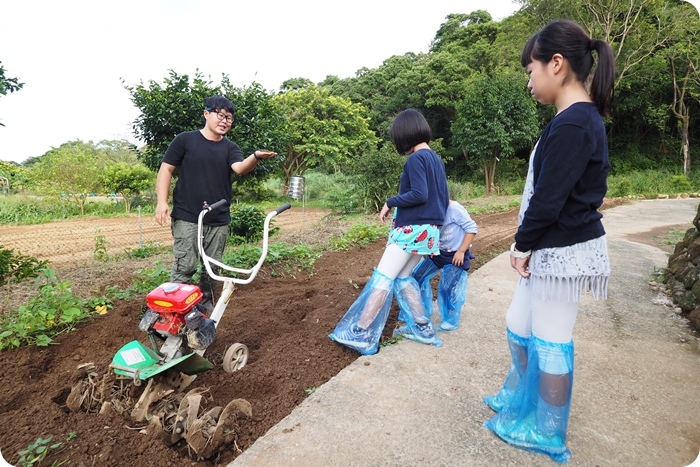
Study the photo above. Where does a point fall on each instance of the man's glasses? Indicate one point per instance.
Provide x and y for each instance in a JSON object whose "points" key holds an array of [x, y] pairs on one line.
{"points": [[222, 116]]}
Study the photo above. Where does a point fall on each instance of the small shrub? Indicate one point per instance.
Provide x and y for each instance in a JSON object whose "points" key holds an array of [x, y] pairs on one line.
{"points": [[36, 452], [680, 184], [55, 310], [622, 186], [377, 176], [144, 251], [99, 252], [15, 267], [359, 235], [247, 222]]}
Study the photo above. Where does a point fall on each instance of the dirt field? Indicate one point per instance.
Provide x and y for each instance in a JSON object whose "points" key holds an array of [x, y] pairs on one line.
{"points": [[284, 321]]}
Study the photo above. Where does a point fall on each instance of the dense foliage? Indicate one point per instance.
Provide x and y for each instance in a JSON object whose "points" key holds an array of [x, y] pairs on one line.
{"points": [[469, 85]]}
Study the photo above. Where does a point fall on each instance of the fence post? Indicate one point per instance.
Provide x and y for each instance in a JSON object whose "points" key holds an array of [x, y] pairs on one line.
{"points": [[140, 229]]}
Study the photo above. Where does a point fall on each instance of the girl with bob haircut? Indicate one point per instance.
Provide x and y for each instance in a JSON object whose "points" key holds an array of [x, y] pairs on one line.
{"points": [[419, 210]]}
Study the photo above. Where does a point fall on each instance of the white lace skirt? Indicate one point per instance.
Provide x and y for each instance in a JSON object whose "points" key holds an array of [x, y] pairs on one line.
{"points": [[565, 273]]}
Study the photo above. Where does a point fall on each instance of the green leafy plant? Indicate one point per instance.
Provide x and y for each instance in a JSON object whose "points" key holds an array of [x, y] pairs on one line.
{"points": [[100, 250], [680, 184], [54, 310], [301, 256], [247, 223], [391, 341], [145, 280], [15, 267], [144, 251], [37, 451], [359, 235]]}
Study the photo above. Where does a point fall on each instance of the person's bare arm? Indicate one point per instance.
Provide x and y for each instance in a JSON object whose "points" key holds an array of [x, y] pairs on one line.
{"points": [[249, 163], [458, 258], [165, 175]]}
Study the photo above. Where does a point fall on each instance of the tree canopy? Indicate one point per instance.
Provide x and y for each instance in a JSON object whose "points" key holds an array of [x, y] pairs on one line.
{"points": [[7, 84], [324, 131], [471, 71], [495, 119]]}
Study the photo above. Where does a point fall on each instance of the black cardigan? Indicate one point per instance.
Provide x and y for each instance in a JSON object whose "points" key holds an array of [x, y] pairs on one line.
{"points": [[570, 181]]}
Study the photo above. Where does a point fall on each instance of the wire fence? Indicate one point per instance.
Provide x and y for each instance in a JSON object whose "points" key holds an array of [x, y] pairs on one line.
{"points": [[82, 240]]}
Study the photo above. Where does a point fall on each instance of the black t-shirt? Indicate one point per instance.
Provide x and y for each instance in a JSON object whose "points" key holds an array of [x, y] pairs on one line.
{"points": [[204, 175]]}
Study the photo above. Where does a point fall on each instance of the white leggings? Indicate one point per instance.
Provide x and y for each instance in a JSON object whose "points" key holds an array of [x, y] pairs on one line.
{"points": [[549, 320], [396, 262]]}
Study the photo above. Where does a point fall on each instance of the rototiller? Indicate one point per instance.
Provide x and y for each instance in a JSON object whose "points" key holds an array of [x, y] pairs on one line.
{"points": [[179, 332]]}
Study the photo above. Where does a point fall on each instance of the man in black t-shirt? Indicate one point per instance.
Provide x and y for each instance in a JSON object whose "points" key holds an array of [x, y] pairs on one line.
{"points": [[206, 162]]}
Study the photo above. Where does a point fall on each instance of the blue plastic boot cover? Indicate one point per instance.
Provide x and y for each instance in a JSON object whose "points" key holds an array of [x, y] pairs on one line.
{"points": [[418, 326], [526, 421], [423, 273], [518, 352], [452, 292], [374, 303]]}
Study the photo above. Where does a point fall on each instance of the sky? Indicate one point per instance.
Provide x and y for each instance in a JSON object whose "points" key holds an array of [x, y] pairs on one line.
{"points": [[72, 55], [75, 56]]}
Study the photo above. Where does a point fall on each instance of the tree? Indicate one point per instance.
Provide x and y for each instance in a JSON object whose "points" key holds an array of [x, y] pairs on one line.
{"points": [[168, 109], [128, 180], [177, 106], [496, 118], [258, 124], [293, 84], [119, 150], [16, 175], [376, 177], [384, 91], [324, 131], [73, 170], [8, 85], [635, 29], [683, 57], [464, 29]]}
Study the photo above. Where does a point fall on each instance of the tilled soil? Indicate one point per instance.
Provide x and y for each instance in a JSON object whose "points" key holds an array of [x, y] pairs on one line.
{"points": [[284, 321]]}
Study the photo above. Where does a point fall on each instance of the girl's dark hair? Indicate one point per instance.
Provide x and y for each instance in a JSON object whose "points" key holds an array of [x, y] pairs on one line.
{"points": [[215, 103], [572, 42], [408, 129]]}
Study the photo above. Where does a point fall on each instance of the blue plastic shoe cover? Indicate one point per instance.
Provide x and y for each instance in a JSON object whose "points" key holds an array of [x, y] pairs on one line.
{"points": [[362, 325], [526, 420], [423, 273], [452, 292], [518, 353], [418, 325], [425, 334]]}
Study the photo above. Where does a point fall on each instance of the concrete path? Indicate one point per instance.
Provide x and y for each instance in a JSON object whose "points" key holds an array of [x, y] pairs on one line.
{"points": [[636, 395]]}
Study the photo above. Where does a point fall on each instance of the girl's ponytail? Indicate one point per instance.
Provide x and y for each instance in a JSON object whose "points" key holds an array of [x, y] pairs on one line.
{"points": [[603, 78], [572, 42]]}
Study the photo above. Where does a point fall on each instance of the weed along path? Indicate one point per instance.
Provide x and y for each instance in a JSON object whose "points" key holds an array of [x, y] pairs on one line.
{"points": [[283, 317]]}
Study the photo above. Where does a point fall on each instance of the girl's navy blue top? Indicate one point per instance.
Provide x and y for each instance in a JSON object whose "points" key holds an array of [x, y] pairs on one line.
{"points": [[570, 181], [423, 195]]}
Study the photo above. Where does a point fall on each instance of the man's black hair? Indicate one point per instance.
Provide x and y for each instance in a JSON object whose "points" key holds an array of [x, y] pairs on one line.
{"points": [[216, 103]]}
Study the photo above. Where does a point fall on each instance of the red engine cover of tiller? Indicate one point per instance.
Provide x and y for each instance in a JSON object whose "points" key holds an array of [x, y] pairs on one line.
{"points": [[174, 298]]}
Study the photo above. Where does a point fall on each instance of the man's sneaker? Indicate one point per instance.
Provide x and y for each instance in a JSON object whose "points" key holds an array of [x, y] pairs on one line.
{"points": [[353, 336]]}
